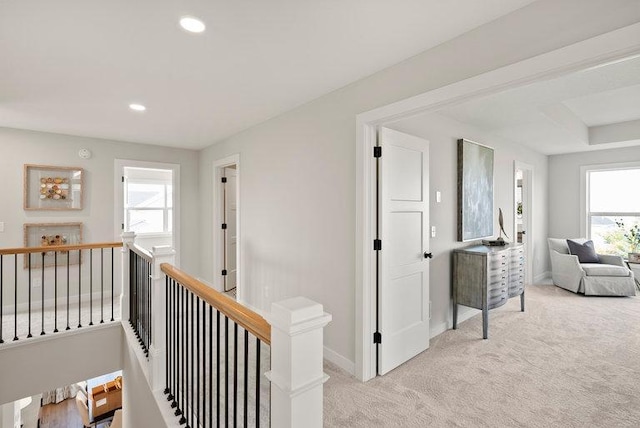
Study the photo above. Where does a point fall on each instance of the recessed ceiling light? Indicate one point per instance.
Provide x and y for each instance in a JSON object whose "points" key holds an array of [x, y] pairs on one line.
{"points": [[137, 107], [192, 25]]}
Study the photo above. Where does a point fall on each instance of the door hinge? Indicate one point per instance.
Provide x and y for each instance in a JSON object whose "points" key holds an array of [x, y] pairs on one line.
{"points": [[224, 225], [122, 226], [377, 151], [123, 178], [224, 179], [377, 244], [224, 272], [377, 337]]}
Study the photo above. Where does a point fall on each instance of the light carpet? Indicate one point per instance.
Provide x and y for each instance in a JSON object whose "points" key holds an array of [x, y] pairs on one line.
{"points": [[568, 361], [53, 318]]}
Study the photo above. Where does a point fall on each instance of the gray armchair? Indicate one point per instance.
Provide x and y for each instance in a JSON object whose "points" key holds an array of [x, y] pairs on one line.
{"points": [[610, 277]]}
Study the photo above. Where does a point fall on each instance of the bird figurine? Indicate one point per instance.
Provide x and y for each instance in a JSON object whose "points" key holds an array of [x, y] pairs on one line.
{"points": [[501, 224]]}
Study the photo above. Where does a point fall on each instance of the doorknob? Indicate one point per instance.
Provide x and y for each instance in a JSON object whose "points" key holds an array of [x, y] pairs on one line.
{"points": [[428, 255]]}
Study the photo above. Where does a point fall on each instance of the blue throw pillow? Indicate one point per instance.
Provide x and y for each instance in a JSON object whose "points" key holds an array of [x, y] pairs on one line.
{"points": [[586, 252]]}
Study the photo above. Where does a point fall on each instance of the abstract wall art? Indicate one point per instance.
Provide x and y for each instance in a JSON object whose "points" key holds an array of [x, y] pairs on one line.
{"points": [[475, 191]]}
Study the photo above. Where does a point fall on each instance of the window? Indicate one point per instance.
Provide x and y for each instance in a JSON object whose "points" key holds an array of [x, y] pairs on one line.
{"points": [[613, 209], [148, 201]]}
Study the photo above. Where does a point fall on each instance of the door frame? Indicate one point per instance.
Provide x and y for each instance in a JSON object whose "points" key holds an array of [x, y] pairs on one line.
{"points": [[600, 50], [527, 177], [119, 165], [218, 215]]}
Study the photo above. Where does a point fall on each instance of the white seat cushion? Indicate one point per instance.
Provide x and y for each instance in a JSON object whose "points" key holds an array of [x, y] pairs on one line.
{"points": [[599, 269]]}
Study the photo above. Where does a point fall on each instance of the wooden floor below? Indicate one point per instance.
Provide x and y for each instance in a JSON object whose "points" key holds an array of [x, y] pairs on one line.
{"points": [[62, 415]]}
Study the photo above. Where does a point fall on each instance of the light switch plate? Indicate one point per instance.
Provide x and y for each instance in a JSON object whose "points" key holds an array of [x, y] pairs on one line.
{"points": [[1, 226], [438, 196], [433, 231]]}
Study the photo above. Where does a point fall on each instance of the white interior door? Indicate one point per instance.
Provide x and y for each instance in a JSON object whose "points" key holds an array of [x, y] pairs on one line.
{"points": [[403, 269], [231, 238]]}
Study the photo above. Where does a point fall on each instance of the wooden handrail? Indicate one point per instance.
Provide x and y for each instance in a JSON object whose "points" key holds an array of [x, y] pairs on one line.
{"points": [[27, 250], [243, 316]]}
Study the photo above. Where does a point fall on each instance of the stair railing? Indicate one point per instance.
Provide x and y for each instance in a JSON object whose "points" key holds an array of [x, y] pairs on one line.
{"points": [[56, 288], [217, 361]]}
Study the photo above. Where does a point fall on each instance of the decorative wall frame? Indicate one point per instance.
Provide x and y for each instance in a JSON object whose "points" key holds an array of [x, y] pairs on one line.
{"points": [[475, 191], [49, 234], [52, 188]]}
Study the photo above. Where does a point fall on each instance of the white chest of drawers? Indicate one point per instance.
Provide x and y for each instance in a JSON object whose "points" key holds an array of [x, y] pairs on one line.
{"points": [[486, 277]]}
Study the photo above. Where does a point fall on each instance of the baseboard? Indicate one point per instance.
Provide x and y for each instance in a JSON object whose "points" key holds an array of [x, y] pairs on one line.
{"points": [[349, 366], [438, 329], [464, 314], [541, 277], [340, 361]]}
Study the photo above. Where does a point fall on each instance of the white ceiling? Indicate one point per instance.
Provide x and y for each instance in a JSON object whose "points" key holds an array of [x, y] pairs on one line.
{"points": [[614, 106], [73, 67], [593, 109]]}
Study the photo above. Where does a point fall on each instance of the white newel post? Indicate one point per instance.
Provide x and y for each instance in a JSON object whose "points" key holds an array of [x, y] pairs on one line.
{"points": [[296, 363], [157, 356], [128, 238]]}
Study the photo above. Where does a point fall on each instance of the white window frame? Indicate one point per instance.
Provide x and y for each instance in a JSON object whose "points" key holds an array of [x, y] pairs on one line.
{"points": [[165, 210], [585, 214], [119, 165]]}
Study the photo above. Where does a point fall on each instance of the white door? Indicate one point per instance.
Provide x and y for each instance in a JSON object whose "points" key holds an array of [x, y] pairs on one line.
{"points": [[230, 235], [403, 275]]}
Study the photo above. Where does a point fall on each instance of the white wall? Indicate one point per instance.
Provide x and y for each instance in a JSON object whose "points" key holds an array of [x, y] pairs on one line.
{"points": [[8, 415], [297, 173], [81, 354], [38, 365], [443, 133], [564, 199], [139, 407], [18, 147], [78, 356]]}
